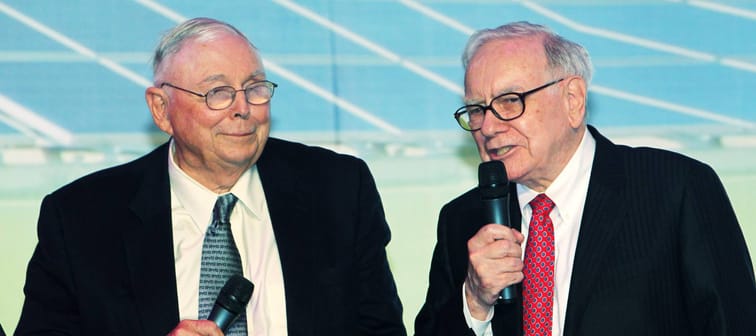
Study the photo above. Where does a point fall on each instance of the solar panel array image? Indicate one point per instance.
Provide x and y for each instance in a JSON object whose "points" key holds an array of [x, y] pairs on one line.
{"points": [[379, 66]]}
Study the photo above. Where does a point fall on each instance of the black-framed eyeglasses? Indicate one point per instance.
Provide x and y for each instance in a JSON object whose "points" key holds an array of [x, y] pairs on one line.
{"points": [[257, 93], [507, 106]]}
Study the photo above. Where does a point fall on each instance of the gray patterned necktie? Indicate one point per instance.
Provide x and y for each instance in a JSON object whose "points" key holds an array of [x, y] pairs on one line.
{"points": [[220, 260]]}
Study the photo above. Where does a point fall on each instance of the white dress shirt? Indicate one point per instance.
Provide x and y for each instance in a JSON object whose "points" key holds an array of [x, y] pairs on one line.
{"points": [[191, 213], [568, 191]]}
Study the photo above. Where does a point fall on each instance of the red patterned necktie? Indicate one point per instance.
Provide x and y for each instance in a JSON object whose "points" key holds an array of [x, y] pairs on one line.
{"points": [[538, 285]]}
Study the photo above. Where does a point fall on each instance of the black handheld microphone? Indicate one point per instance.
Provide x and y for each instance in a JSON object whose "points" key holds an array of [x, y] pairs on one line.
{"points": [[494, 192], [231, 301]]}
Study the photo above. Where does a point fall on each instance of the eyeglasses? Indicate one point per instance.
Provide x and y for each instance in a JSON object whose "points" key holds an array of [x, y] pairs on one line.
{"points": [[507, 106], [257, 93]]}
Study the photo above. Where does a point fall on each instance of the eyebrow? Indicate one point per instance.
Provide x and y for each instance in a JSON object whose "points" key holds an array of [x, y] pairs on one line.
{"points": [[475, 101], [255, 76], [509, 89], [472, 101]]}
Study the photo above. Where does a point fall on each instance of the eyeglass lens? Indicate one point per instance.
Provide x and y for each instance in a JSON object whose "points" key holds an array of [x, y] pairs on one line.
{"points": [[508, 106], [256, 94]]}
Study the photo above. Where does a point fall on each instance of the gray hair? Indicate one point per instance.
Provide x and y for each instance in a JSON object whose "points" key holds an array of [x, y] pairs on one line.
{"points": [[562, 55], [198, 29]]}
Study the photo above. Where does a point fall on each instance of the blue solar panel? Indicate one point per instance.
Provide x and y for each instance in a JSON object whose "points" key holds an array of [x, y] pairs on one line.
{"points": [[358, 51]]}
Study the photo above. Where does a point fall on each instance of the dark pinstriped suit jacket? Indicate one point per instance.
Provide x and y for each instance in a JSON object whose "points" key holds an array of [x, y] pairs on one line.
{"points": [[104, 263], [659, 252]]}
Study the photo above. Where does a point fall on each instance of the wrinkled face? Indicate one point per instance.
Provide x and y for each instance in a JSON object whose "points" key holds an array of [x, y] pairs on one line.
{"points": [[233, 137], [536, 146]]}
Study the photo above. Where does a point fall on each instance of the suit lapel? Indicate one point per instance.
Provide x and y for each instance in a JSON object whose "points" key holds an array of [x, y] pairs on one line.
{"points": [[148, 243], [598, 225], [292, 218]]}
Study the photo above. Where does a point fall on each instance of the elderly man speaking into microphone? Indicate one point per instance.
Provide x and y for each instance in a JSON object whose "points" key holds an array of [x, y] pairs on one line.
{"points": [[605, 240]]}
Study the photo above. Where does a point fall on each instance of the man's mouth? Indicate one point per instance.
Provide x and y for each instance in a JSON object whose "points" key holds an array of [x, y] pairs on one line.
{"points": [[499, 152]]}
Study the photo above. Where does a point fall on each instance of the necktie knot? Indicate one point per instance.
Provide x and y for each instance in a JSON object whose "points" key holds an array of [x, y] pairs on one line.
{"points": [[224, 205], [542, 205]]}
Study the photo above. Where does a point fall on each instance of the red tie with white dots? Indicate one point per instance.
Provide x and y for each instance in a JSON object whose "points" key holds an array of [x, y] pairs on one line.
{"points": [[538, 285]]}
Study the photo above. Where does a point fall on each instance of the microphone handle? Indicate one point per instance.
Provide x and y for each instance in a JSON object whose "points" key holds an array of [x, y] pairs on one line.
{"points": [[497, 210], [222, 317]]}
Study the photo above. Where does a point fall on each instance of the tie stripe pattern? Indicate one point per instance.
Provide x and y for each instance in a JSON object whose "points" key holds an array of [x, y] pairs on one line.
{"points": [[538, 285], [220, 260]]}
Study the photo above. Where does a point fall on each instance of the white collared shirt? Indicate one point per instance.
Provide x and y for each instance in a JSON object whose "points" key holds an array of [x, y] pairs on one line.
{"points": [[191, 213], [568, 191]]}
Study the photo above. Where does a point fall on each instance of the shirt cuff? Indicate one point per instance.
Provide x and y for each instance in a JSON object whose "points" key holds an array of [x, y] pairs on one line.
{"points": [[480, 328]]}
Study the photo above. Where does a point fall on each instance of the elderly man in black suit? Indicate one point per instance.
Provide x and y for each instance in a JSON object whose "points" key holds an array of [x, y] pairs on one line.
{"points": [[605, 239], [123, 251]]}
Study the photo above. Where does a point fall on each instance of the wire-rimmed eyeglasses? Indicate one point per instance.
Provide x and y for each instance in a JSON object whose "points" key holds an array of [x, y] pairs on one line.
{"points": [[506, 106], [257, 93]]}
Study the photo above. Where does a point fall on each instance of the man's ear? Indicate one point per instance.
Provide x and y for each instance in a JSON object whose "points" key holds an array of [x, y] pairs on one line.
{"points": [[576, 91], [157, 101]]}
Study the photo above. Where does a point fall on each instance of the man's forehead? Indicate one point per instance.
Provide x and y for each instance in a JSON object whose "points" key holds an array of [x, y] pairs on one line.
{"points": [[198, 56], [526, 46]]}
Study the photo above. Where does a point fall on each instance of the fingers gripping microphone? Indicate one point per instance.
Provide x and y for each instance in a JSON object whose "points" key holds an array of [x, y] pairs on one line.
{"points": [[231, 301], [494, 192]]}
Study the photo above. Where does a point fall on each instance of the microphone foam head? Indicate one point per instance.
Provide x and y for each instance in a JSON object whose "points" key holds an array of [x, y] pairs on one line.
{"points": [[235, 294], [492, 179]]}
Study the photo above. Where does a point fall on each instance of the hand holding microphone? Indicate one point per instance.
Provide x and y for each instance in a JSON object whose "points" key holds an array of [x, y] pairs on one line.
{"points": [[231, 302], [494, 193]]}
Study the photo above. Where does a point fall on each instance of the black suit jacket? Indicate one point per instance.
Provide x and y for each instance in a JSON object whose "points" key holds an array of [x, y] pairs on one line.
{"points": [[104, 264], [659, 252]]}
